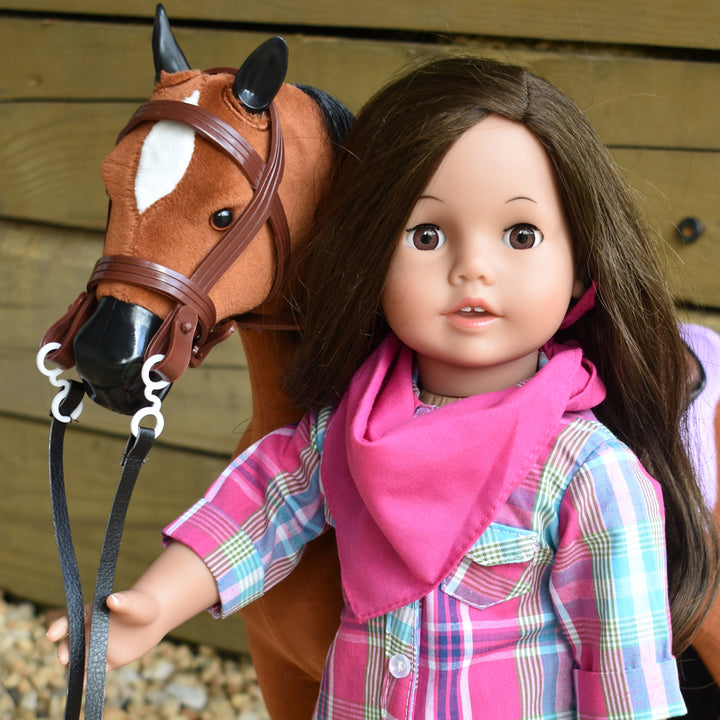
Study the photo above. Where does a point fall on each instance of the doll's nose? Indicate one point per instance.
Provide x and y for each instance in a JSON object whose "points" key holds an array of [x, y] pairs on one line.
{"points": [[472, 262]]}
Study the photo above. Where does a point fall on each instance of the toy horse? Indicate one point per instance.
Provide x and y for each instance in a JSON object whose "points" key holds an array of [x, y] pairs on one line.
{"points": [[178, 188], [211, 185]]}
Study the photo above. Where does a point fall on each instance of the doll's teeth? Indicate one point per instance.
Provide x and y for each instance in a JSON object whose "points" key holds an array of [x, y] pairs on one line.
{"points": [[469, 309]]}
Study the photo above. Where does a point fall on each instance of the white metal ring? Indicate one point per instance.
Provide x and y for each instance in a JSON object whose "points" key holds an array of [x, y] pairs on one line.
{"points": [[53, 375], [151, 386]]}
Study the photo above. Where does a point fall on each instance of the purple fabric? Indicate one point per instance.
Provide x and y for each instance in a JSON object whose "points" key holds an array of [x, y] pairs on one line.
{"points": [[701, 441]]}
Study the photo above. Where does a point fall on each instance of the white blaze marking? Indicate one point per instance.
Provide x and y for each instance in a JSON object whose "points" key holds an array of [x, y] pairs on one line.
{"points": [[164, 159]]}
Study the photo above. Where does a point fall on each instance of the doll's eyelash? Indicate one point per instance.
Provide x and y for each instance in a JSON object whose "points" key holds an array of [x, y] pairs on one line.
{"points": [[526, 224]]}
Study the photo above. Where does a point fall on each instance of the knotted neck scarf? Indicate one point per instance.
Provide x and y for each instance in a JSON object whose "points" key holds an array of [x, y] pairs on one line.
{"points": [[410, 495]]}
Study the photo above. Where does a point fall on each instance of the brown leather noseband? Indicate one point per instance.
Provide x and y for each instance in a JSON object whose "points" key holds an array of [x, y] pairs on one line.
{"points": [[191, 329]]}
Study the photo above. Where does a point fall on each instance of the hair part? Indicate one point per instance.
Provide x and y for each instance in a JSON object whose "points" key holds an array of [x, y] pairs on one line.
{"points": [[395, 146]]}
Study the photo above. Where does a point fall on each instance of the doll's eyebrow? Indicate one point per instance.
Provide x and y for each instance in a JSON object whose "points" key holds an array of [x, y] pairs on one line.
{"points": [[521, 197], [430, 197]]}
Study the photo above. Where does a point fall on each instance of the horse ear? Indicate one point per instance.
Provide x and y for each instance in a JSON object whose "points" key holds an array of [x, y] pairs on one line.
{"points": [[166, 52], [261, 75]]}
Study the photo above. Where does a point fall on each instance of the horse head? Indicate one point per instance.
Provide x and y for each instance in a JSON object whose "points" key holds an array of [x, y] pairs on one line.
{"points": [[211, 183]]}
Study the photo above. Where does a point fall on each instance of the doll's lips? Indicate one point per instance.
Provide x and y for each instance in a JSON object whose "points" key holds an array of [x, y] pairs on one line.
{"points": [[471, 313], [471, 306]]}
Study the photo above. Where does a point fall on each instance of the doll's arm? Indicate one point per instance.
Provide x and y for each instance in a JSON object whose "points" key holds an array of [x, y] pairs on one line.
{"points": [[176, 587], [254, 522]]}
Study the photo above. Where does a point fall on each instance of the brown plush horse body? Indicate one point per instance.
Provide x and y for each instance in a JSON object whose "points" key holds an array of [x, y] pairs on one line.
{"points": [[211, 185], [178, 186]]}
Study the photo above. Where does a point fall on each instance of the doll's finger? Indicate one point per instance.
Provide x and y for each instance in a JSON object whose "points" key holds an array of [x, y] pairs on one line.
{"points": [[58, 629], [63, 653], [134, 605], [52, 615]]}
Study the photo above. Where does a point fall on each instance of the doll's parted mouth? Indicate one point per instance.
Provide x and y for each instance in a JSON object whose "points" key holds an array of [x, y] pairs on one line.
{"points": [[472, 307]]}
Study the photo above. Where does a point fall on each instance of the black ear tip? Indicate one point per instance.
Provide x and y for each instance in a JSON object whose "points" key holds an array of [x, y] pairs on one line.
{"points": [[161, 23], [278, 45], [167, 54], [261, 75]]}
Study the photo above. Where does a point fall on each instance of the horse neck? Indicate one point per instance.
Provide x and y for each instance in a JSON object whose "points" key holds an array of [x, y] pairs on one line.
{"points": [[267, 353]]}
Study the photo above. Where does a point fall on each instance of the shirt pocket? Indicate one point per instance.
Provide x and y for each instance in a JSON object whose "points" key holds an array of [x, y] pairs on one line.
{"points": [[498, 567]]}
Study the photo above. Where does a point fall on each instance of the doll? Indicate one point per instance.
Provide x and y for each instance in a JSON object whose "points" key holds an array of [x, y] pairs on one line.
{"points": [[496, 384]]}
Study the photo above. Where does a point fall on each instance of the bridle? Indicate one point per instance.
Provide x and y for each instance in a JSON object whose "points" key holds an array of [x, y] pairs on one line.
{"points": [[191, 330], [183, 340]]}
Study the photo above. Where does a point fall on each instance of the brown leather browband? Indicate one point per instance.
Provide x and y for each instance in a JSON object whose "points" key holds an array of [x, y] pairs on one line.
{"points": [[191, 330]]}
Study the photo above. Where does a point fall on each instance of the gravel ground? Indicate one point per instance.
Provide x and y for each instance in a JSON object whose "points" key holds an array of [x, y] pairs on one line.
{"points": [[173, 681]]}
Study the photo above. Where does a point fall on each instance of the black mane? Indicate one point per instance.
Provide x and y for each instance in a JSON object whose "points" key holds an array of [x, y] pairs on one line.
{"points": [[338, 119]]}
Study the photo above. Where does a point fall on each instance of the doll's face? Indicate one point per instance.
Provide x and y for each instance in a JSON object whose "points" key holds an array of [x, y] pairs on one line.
{"points": [[483, 274]]}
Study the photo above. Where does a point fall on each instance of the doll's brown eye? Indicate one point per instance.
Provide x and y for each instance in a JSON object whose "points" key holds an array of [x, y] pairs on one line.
{"points": [[522, 237], [221, 219], [425, 237]]}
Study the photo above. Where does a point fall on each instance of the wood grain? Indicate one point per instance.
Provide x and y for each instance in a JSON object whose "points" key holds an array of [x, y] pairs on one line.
{"points": [[691, 24], [630, 99]]}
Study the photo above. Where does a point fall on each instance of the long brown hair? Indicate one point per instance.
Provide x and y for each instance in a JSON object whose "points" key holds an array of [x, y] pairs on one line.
{"points": [[397, 142]]}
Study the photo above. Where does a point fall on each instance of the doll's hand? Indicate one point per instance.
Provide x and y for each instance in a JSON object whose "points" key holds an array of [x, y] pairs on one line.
{"points": [[133, 628], [176, 587]]}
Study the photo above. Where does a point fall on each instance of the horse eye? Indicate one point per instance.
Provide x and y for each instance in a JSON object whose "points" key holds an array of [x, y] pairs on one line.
{"points": [[221, 219]]}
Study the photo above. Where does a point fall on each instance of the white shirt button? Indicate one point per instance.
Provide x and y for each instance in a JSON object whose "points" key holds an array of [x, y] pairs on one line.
{"points": [[399, 666]]}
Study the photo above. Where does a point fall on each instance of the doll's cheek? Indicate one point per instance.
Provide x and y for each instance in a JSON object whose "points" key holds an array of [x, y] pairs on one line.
{"points": [[395, 292]]}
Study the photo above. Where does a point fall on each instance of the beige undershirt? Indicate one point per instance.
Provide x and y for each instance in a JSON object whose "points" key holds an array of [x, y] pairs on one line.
{"points": [[437, 400]]}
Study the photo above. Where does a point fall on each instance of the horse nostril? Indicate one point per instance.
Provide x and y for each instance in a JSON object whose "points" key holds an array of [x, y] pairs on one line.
{"points": [[109, 352]]}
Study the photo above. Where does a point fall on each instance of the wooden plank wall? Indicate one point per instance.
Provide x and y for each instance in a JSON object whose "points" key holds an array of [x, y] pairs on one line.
{"points": [[72, 71]]}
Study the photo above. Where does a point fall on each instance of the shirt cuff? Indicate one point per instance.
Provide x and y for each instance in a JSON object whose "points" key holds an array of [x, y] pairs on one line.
{"points": [[647, 693], [228, 552]]}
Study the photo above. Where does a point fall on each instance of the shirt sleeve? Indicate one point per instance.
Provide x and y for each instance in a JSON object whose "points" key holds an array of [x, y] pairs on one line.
{"points": [[609, 587], [251, 526]]}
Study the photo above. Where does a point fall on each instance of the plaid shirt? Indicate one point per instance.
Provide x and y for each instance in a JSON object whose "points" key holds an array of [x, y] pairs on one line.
{"points": [[559, 610]]}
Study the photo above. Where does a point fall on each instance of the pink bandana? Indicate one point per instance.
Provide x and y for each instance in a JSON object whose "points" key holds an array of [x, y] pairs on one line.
{"points": [[585, 303], [410, 495]]}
